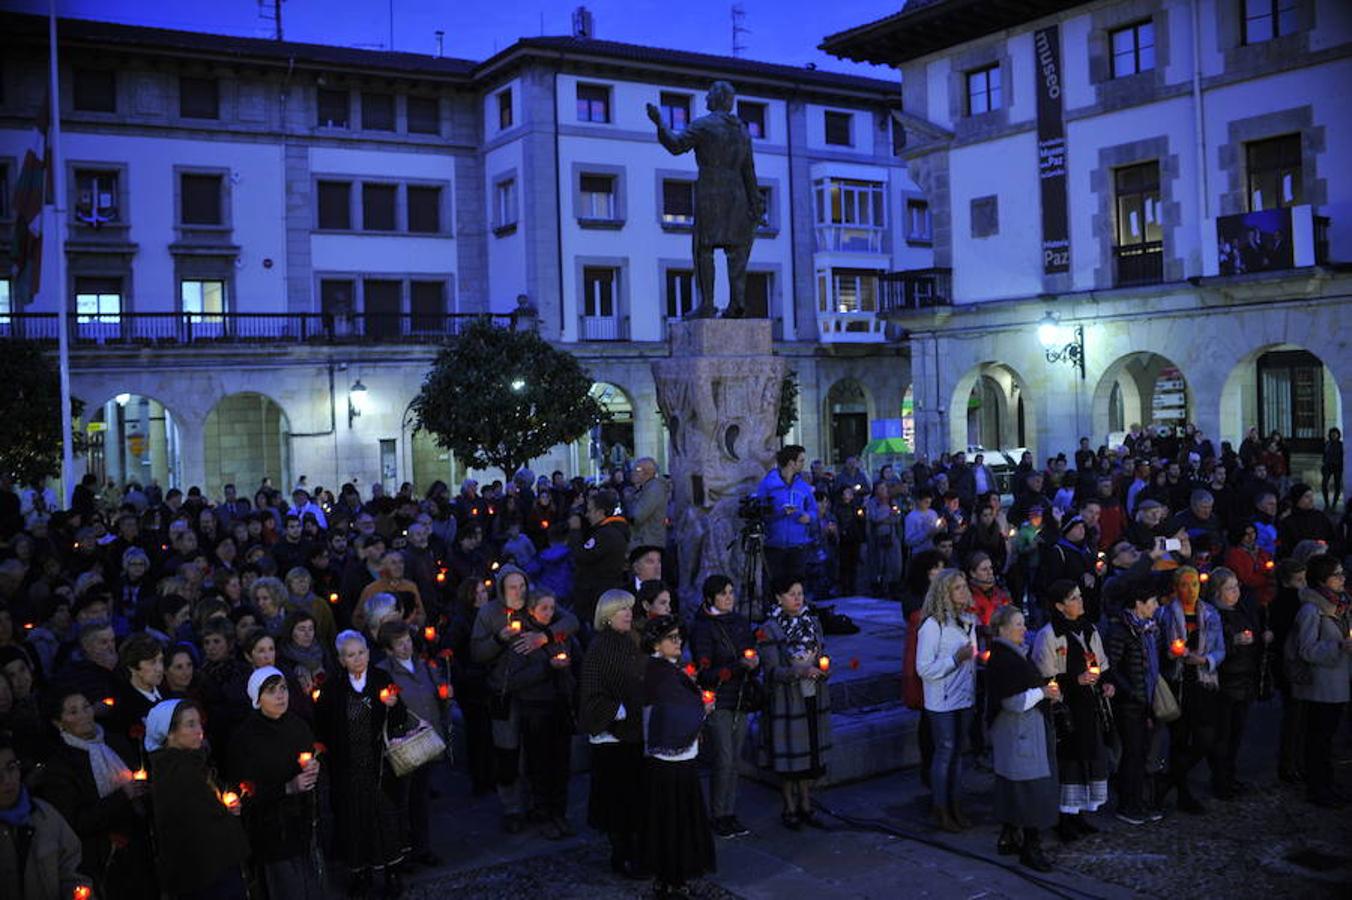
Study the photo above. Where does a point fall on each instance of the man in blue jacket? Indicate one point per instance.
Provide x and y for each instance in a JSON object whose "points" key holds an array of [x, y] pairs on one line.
{"points": [[792, 514]]}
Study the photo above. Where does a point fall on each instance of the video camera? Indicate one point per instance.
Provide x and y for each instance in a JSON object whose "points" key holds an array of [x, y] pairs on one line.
{"points": [[754, 509]]}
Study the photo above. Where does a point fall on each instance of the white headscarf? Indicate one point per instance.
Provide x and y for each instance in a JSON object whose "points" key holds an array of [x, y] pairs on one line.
{"points": [[157, 724]]}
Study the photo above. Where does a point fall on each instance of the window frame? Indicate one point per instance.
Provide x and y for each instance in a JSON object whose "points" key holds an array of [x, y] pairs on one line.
{"points": [[320, 184], [331, 95], [833, 199], [841, 119], [672, 102], [202, 315], [588, 209], [505, 115], [603, 97], [98, 316], [183, 94], [676, 220], [1150, 187], [423, 322], [506, 204], [438, 207], [1135, 29], [923, 237], [411, 118], [835, 277], [117, 172], [588, 298], [992, 81], [674, 279], [1291, 141], [1273, 16], [90, 84], [369, 99], [379, 185], [762, 121], [223, 203]]}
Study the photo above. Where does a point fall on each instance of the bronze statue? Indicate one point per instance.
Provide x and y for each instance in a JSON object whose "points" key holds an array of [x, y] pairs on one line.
{"points": [[727, 198]]}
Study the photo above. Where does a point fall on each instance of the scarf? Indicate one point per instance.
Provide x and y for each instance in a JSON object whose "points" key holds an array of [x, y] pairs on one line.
{"points": [[1149, 634], [800, 638], [110, 772], [1339, 602], [1061, 626], [311, 657], [17, 815], [1083, 552]]}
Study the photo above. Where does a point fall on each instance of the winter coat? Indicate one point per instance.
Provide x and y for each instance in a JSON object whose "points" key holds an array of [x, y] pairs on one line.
{"points": [[786, 721], [1129, 666], [1317, 641], [51, 869], [1254, 572], [552, 568], [647, 509], [1243, 662], [717, 644], [948, 685], [1020, 734], [612, 676], [599, 560], [196, 838], [1210, 638], [1050, 652], [331, 725], [1303, 525], [418, 690], [673, 712], [265, 754], [785, 530]]}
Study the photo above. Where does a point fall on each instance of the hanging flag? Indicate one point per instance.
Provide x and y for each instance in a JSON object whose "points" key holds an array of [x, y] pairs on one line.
{"points": [[29, 195]]}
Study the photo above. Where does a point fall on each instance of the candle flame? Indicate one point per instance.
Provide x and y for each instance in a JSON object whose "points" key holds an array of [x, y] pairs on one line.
{"points": [[824, 663], [305, 758], [140, 775]]}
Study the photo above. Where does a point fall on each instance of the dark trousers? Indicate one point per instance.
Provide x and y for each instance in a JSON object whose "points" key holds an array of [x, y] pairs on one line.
{"points": [[420, 807], [849, 568], [787, 561], [1321, 724], [1334, 478], [1232, 715], [478, 745], [1291, 755], [1193, 735], [1133, 727], [546, 736]]}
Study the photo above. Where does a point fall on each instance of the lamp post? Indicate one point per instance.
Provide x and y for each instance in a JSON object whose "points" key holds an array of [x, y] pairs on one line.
{"points": [[1060, 343], [356, 401]]}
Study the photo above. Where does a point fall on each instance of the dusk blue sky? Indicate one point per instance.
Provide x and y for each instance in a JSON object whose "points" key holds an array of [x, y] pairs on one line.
{"points": [[782, 31]]}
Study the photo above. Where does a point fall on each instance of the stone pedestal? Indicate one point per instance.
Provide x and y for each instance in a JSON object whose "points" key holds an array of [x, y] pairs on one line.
{"points": [[719, 395]]}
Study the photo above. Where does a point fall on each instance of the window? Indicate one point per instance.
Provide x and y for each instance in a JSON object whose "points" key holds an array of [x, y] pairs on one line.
{"points": [[919, 226], [985, 216], [203, 301], [381, 307], [96, 198], [335, 204], [599, 285], [852, 291], [680, 292], [378, 207], [424, 209], [335, 297], [98, 300], [6, 301], [505, 110], [201, 199], [838, 129], [1140, 249], [427, 305], [1274, 173], [1133, 49], [1291, 398], [593, 103], [598, 197], [424, 115], [1267, 19], [94, 90], [377, 112], [753, 115], [758, 295], [983, 90], [333, 108], [850, 215], [675, 110], [504, 204], [199, 98], [767, 209], [678, 202]]}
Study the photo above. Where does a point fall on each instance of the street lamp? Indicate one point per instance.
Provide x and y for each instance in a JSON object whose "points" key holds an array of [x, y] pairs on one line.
{"points": [[356, 401], [1060, 343], [518, 385]]}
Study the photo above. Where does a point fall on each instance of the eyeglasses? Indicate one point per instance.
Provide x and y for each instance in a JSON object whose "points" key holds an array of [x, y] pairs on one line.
{"points": [[672, 637]]}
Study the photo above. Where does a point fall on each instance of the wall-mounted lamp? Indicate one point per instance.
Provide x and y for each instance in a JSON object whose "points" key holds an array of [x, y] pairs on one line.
{"points": [[122, 400], [1060, 343], [356, 401]]}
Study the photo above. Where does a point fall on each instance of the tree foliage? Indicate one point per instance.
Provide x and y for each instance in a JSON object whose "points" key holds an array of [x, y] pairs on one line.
{"points": [[497, 397], [30, 442], [788, 404]]}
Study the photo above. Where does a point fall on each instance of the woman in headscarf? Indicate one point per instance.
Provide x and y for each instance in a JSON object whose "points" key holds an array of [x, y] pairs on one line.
{"points": [[272, 755], [89, 779], [1017, 707], [797, 720], [354, 712], [200, 845], [610, 711], [677, 843], [1069, 649]]}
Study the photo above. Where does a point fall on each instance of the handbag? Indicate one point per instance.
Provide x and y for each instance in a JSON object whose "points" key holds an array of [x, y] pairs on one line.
{"points": [[421, 744], [1165, 706]]}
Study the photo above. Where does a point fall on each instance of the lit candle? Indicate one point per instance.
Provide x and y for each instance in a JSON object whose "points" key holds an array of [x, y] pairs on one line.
{"points": [[304, 758], [824, 663], [389, 693], [985, 656], [230, 799], [28, 626], [1013, 532], [749, 653], [1248, 635], [429, 634], [515, 625], [444, 691], [859, 512], [1094, 670], [1205, 577], [333, 598], [561, 657], [314, 695], [109, 702], [544, 523], [1269, 564], [708, 696], [140, 775], [82, 892], [1178, 647], [441, 577]]}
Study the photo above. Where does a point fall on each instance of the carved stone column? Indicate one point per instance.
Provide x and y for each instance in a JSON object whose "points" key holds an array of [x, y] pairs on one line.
{"points": [[719, 395]]}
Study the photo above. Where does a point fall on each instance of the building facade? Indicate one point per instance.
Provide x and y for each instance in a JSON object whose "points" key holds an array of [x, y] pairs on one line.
{"points": [[1168, 179], [266, 241]]}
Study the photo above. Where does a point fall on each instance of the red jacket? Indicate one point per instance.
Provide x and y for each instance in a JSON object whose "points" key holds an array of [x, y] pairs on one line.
{"points": [[1254, 571], [985, 603]]}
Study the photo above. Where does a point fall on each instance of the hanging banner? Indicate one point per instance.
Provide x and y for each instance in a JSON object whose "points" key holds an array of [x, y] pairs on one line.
{"points": [[1051, 151]]}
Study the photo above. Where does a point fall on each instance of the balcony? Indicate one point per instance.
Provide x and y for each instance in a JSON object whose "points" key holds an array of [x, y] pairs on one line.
{"points": [[603, 328], [851, 328], [913, 290], [1139, 264], [1269, 240], [150, 329], [849, 239]]}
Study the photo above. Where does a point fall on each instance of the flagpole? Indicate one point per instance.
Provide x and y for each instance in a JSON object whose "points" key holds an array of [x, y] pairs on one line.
{"points": [[58, 232]]}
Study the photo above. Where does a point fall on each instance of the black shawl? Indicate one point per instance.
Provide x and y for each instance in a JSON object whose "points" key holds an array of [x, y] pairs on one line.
{"points": [[673, 711], [1008, 673]]}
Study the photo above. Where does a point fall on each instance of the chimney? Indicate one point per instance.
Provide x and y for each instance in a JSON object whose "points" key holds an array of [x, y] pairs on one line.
{"points": [[584, 25], [440, 36]]}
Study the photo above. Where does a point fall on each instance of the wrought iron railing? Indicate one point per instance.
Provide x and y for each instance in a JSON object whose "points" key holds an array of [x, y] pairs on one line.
{"points": [[915, 289]]}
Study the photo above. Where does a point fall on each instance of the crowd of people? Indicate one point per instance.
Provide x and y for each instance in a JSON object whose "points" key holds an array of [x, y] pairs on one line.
{"points": [[249, 697]]}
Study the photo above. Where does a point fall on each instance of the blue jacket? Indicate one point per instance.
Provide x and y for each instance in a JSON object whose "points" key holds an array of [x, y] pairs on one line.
{"points": [[784, 530], [1210, 638]]}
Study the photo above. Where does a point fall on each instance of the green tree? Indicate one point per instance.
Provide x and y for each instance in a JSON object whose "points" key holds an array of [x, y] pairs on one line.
{"points": [[500, 397], [788, 404], [30, 442]]}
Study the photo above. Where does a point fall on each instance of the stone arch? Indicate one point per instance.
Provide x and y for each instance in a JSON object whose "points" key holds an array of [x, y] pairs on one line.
{"points": [[246, 437], [133, 437], [1139, 378], [1011, 419], [620, 430], [847, 409], [1269, 388]]}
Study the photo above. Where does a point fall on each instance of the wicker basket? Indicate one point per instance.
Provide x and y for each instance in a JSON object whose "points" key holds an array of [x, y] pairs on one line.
{"points": [[420, 745]]}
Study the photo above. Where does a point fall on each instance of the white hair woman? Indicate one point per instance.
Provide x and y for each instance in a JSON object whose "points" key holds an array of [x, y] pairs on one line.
{"points": [[351, 715]]}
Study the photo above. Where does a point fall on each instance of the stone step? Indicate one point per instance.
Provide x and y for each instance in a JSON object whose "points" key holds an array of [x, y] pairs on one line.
{"points": [[866, 741]]}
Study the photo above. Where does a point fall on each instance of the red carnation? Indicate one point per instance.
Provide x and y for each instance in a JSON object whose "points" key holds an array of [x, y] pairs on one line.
{"points": [[320, 677], [446, 653], [760, 634], [690, 669], [704, 662], [724, 674], [320, 748], [246, 788], [560, 638], [119, 840]]}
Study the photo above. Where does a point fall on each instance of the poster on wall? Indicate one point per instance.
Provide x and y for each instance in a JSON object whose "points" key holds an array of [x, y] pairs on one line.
{"points": [[1255, 242], [1169, 406], [1051, 151]]}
